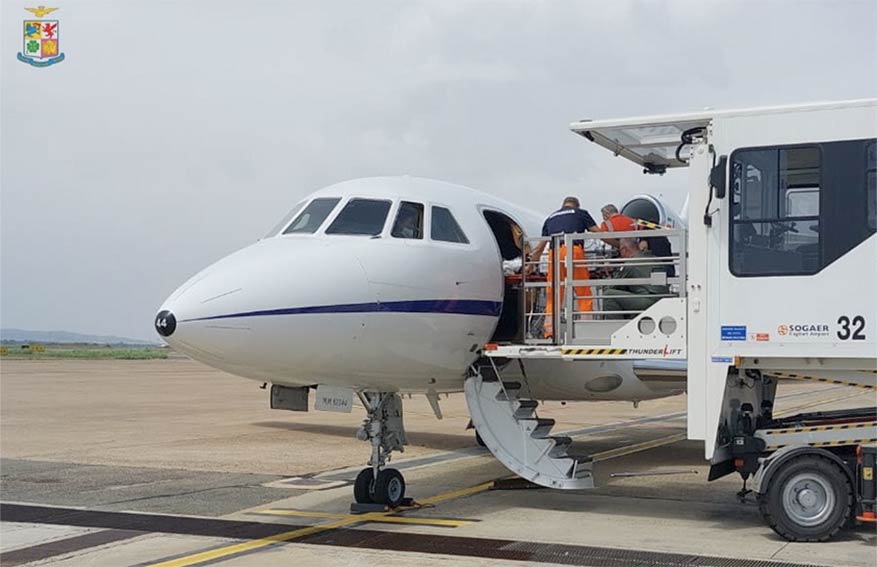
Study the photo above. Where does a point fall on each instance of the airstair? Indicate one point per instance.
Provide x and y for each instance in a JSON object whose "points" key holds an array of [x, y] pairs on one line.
{"points": [[517, 437]]}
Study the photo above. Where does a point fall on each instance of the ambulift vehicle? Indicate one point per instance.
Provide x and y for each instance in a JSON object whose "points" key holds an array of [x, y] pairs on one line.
{"points": [[774, 278]]}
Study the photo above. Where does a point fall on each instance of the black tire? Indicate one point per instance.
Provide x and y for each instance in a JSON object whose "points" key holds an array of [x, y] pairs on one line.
{"points": [[479, 440], [790, 513], [362, 486], [389, 488]]}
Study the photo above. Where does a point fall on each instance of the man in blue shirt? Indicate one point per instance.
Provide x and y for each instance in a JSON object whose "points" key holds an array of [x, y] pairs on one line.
{"points": [[569, 219]]}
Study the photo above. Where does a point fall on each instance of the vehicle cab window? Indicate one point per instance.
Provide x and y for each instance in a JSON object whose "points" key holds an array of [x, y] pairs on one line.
{"points": [[445, 227], [361, 217], [409, 221], [312, 216], [796, 209], [776, 211]]}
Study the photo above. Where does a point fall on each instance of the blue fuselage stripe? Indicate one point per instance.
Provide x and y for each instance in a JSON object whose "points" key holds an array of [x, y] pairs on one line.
{"points": [[446, 306]]}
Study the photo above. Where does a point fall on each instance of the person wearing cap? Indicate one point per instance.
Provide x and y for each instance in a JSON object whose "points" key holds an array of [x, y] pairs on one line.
{"points": [[569, 219]]}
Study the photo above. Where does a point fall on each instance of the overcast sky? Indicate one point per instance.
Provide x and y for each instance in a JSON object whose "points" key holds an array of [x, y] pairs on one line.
{"points": [[177, 132]]}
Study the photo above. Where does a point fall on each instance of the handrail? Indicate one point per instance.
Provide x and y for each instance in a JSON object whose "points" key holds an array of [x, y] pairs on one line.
{"points": [[606, 282]]}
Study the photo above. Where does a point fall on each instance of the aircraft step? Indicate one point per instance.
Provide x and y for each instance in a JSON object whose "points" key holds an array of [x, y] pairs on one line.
{"points": [[537, 427], [519, 438], [561, 446], [526, 409], [509, 391]]}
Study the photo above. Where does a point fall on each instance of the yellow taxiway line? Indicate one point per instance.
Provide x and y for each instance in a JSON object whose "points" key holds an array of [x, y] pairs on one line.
{"points": [[454, 494], [346, 520], [229, 550]]}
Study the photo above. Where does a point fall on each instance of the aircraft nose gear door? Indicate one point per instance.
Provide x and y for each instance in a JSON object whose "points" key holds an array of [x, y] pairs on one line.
{"points": [[384, 428]]}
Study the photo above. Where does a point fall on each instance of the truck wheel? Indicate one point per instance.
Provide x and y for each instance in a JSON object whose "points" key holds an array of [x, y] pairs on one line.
{"points": [[808, 499]]}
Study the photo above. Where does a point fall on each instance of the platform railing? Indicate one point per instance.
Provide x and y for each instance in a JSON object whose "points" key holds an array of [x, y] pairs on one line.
{"points": [[619, 288]]}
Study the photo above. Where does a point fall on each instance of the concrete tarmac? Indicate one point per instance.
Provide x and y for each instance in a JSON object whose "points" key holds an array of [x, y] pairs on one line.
{"points": [[170, 463]]}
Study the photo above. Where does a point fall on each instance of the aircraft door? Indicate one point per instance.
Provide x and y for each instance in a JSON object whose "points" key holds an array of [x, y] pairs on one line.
{"points": [[509, 237]]}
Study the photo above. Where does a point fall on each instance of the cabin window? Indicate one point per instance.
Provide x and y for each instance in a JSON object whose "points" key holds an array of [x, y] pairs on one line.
{"points": [[797, 209], [361, 216], [409, 221], [445, 227], [312, 216]]}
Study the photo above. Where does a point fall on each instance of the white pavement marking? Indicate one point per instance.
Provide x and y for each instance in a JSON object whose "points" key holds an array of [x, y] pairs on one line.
{"points": [[18, 535]]}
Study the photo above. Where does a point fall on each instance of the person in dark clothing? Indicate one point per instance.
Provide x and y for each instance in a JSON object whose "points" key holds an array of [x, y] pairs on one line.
{"points": [[568, 219], [660, 247]]}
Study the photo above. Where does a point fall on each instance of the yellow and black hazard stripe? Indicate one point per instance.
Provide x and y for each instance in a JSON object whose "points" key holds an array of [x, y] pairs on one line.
{"points": [[646, 224], [829, 443], [824, 380], [592, 351], [820, 428]]}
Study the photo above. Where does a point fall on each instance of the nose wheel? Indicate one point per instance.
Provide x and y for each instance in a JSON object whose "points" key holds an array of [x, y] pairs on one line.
{"points": [[376, 485], [363, 487], [388, 488]]}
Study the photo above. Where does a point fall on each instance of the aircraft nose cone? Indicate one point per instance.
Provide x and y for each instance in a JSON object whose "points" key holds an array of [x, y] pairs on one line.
{"points": [[165, 323]]}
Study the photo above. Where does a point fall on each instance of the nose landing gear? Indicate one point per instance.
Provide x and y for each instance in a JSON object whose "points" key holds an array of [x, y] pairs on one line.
{"points": [[383, 427]]}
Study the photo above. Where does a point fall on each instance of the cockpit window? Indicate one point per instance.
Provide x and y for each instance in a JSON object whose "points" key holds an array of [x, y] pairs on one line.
{"points": [[360, 216], [409, 221], [445, 227], [285, 221], [313, 216]]}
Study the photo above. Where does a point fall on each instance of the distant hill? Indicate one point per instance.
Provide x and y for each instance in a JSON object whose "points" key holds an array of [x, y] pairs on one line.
{"points": [[24, 336]]}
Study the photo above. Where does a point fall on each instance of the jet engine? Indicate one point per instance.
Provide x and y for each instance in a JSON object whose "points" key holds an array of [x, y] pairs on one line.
{"points": [[652, 209]]}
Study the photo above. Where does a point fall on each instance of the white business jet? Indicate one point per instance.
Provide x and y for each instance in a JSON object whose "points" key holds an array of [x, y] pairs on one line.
{"points": [[387, 286]]}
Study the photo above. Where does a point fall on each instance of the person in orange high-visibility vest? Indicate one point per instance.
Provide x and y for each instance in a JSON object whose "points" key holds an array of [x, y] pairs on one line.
{"points": [[569, 219], [613, 221]]}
